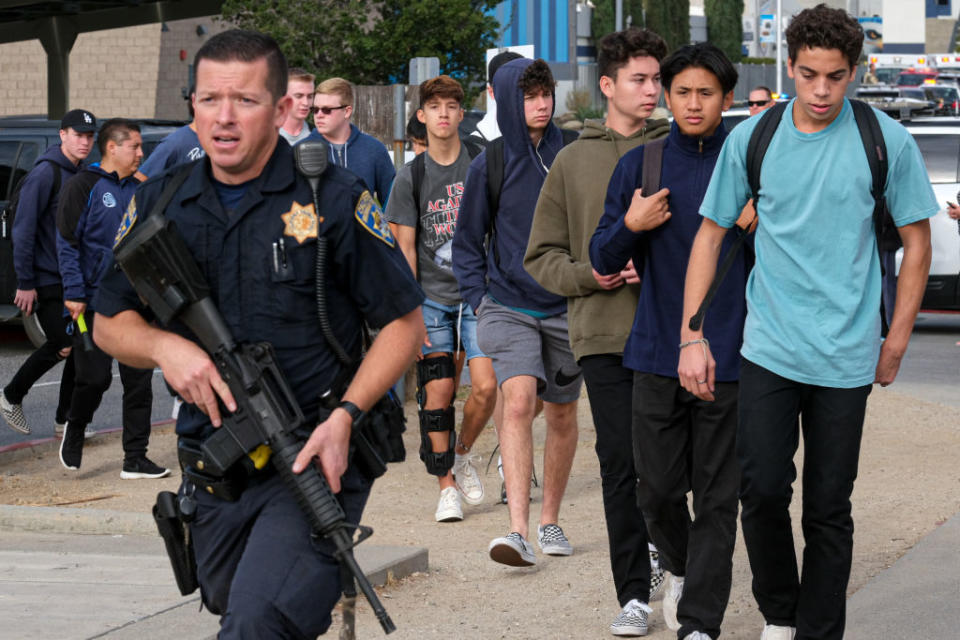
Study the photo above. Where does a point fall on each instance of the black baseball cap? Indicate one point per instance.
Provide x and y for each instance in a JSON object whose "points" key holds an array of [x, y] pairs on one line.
{"points": [[80, 120]]}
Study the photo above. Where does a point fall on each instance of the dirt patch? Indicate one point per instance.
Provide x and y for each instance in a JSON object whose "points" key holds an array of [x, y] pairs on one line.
{"points": [[908, 484]]}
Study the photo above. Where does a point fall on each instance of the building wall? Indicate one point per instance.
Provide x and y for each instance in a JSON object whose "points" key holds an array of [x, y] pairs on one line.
{"points": [[904, 26], [112, 73], [175, 75]]}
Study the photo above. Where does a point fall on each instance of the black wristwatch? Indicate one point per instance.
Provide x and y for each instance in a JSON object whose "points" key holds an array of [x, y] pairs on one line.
{"points": [[355, 412]]}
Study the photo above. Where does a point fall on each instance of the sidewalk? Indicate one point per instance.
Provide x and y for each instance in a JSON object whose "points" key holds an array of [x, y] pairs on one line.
{"points": [[90, 566]]}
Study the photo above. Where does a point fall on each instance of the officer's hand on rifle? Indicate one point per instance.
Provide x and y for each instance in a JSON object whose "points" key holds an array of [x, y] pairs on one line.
{"points": [[191, 373], [328, 445], [75, 308], [647, 212], [697, 368]]}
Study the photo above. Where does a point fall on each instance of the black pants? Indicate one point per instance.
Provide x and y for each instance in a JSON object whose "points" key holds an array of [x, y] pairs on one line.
{"points": [[681, 444], [49, 312], [609, 387], [767, 439], [94, 375]]}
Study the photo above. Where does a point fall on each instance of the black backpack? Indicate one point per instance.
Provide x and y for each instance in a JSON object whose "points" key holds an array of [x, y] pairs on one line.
{"points": [[885, 230], [7, 216]]}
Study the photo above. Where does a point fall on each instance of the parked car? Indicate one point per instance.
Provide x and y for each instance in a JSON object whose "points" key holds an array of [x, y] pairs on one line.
{"points": [[940, 146], [22, 140]]}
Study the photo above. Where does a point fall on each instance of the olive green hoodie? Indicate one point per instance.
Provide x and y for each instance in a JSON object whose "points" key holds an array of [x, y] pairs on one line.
{"points": [[558, 252]]}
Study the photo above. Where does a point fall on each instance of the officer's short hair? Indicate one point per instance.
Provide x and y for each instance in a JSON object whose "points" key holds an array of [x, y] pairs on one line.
{"points": [[248, 46], [337, 87], [442, 86], [116, 129], [616, 49], [702, 55]]}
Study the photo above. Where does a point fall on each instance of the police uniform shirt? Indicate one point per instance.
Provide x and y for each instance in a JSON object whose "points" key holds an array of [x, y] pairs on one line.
{"points": [[260, 264]]}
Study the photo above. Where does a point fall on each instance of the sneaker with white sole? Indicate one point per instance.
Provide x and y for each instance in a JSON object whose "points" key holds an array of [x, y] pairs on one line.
{"points": [[448, 507], [142, 468], [468, 479], [671, 601], [71, 446], [656, 571], [776, 632], [632, 621], [512, 550], [552, 541], [697, 635], [13, 414]]}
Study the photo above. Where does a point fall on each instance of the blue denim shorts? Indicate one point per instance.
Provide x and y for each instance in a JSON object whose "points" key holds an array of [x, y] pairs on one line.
{"points": [[449, 327]]}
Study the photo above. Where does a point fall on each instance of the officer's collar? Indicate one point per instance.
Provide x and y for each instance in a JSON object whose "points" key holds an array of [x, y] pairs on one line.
{"points": [[277, 174]]}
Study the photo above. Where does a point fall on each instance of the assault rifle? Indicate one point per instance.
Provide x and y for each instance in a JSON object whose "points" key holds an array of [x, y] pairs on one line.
{"points": [[165, 276]]}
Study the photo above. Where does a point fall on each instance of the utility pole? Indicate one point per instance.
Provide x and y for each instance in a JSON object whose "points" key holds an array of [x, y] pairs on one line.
{"points": [[779, 47]]}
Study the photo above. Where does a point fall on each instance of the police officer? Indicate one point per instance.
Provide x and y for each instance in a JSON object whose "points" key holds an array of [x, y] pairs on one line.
{"points": [[249, 220]]}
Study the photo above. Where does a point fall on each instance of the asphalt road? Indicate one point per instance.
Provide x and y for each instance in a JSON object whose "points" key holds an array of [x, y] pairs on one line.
{"points": [[40, 404], [930, 371]]}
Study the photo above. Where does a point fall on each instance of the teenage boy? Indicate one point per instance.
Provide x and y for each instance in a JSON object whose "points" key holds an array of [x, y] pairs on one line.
{"points": [[39, 288], [601, 308], [423, 218], [300, 91], [350, 148], [811, 344], [521, 325], [681, 443], [88, 216], [487, 129]]}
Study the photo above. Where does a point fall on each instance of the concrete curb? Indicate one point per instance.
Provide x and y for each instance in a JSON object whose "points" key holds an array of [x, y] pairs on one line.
{"points": [[73, 520]]}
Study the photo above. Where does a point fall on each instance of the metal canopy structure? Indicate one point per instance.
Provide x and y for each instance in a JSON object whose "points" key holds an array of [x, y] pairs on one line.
{"points": [[57, 25]]}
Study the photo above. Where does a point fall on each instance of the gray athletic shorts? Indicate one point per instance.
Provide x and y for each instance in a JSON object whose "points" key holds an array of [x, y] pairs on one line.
{"points": [[521, 345]]}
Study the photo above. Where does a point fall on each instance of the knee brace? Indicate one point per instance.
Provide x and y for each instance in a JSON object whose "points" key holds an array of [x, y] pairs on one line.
{"points": [[436, 420]]}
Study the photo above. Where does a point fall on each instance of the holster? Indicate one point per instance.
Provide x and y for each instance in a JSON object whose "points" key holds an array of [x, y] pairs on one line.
{"points": [[176, 538], [226, 487]]}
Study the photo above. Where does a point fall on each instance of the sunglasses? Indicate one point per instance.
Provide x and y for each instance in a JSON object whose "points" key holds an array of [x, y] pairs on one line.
{"points": [[326, 110], [757, 103]]}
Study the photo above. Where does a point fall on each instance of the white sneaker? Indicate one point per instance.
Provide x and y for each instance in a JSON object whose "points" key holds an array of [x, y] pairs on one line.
{"points": [[513, 550], [468, 479], [448, 507], [632, 620], [697, 635], [776, 632], [671, 601]]}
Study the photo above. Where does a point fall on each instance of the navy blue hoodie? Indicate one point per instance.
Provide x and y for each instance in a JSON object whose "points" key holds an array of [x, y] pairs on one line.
{"points": [[91, 207], [664, 252], [35, 224], [525, 168], [366, 157]]}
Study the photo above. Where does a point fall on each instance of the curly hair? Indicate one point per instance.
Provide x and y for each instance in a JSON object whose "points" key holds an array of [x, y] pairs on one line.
{"points": [[537, 77], [825, 28], [616, 49]]}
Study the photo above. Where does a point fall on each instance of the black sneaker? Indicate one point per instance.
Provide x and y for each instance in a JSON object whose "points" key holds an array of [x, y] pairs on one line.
{"points": [[71, 446], [139, 468]]}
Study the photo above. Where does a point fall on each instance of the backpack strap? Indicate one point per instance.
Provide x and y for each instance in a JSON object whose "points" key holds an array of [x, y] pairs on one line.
{"points": [[757, 147], [760, 139], [418, 170], [876, 150]]}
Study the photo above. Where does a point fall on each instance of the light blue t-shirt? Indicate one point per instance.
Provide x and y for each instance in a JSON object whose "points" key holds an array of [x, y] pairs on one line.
{"points": [[813, 297]]}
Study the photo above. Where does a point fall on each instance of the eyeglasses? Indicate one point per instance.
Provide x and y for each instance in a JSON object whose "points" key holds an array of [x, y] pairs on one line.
{"points": [[326, 110], [757, 103]]}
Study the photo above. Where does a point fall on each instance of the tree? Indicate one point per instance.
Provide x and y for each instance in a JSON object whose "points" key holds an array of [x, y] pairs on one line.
{"points": [[604, 18], [670, 19], [371, 41], [725, 26]]}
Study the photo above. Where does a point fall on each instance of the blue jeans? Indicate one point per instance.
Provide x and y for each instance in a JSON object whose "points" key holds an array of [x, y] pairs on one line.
{"points": [[449, 326]]}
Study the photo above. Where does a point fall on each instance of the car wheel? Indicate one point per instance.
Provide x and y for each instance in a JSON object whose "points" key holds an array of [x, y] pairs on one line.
{"points": [[34, 331]]}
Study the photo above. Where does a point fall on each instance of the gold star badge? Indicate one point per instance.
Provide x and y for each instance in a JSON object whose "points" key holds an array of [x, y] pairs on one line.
{"points": [[301, 222]]}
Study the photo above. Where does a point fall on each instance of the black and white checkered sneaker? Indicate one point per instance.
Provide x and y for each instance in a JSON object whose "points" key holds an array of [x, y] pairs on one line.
{"points": [[13, 414], [656, 572], [632, 621], [552, 541]]}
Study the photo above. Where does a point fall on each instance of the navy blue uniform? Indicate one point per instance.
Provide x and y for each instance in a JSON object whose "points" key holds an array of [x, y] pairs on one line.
{"points": [[258, 566]]}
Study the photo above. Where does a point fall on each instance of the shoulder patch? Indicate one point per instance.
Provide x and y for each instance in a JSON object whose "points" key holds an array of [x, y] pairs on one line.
{"points": [[370, 217], [129, 218]]}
